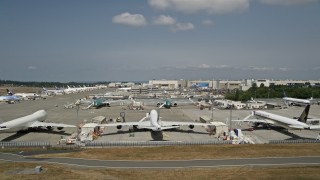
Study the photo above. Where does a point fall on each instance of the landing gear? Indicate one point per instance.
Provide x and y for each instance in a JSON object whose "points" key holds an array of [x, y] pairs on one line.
{"points": [[157, 135]]}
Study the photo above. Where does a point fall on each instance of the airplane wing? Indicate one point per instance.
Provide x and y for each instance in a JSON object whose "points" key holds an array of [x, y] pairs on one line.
{"points": [[139, 124], [296, 127], [252, 120], [116, 102], [46, 124], [314, 127], [178, 124], [161, 105]]}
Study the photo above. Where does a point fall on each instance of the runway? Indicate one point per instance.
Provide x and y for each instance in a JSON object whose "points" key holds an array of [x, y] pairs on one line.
{"points": [[168, 164]]}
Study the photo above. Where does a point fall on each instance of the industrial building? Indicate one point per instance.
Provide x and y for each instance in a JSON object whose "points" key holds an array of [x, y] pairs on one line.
{"points": [[168, 84]]}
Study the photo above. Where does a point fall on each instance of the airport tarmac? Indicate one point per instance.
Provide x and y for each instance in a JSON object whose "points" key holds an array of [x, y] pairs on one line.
{"points": [[57, 113]]}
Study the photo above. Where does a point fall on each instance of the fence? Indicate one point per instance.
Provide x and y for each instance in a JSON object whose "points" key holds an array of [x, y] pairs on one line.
{"points": [[24, 144], [293, 141], [153, 143]]}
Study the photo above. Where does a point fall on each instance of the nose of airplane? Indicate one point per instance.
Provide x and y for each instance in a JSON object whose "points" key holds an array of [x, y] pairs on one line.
{"points": [[41, 113]]}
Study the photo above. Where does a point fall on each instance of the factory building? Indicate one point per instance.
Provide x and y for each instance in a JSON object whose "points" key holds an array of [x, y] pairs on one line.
{"points": [[224, 85], [168, 84], [231, 85], [265, 82], [139, 90], [200, 84]]}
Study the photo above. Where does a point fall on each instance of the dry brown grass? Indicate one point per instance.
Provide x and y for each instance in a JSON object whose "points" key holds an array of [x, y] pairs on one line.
{"points": [[195, 152], [53, 171]]}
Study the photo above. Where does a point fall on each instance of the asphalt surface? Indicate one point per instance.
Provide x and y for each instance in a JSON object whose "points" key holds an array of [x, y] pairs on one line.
{"points": [[57, 113], [269, 161]]}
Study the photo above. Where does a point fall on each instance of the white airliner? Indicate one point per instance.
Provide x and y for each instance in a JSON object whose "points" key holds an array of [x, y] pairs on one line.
{"points": [[53, 91], [70, 90], [31, 96], [285, 122], [34, 120], [296, 102], [152, 122]]}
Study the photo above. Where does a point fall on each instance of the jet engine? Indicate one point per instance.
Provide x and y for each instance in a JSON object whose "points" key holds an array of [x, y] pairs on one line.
{"points": [[191, 126], [119, 127], [59, 128], [175, 104], [49, 127], [157, 135]]}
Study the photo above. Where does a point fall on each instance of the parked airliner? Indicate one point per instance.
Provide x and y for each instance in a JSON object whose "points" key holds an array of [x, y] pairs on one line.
{"points": [[34, 120], [295, 101], [9, 99], [152, 122], [32, 96], [53, 91], [285, 122]]}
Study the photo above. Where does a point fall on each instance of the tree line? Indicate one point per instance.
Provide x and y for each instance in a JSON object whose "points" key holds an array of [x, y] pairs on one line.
{"points": [[46, 84], [275, 91]]}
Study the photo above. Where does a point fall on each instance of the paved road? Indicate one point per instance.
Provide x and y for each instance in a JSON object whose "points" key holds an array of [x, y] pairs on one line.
{"points": [[270, 161]]}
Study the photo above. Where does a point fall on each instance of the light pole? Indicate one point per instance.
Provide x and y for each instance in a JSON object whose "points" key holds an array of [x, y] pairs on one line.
{"points": [[255, 94], [230, 119], [77, 108], [211, 109]]}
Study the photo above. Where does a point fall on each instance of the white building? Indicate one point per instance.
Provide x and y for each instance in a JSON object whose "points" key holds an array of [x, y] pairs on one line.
{"points": [[168, 84]]}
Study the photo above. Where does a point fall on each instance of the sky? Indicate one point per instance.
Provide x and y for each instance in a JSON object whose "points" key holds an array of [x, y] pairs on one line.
{"points": [[126, 40]]}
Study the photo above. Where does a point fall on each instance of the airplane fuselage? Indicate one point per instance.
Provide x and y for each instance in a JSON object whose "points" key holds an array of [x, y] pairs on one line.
{"points": [[281, 120], [154, 121], [9, 98], [295, 101], [23, 123]]}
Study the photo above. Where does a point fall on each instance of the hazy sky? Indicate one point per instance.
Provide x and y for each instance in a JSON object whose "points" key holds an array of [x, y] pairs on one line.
{"points": [[127, 40]]}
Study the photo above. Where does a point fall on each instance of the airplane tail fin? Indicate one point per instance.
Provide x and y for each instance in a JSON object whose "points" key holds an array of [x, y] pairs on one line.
{"points": [[284, 93], [304, 115], [9, 92]]}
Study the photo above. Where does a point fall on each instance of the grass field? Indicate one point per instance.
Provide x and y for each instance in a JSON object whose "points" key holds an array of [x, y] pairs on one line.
{"points": [[194, 152], [53, 171]]}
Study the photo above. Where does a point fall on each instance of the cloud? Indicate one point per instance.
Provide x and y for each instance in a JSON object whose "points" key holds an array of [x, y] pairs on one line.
{"points": [[164, 20], [260, 68], [32, 68], [224, 67], [208, 6], [204, 66], [207, 22], [287, 2], [183, 27], [266, 68], [283, 69], [136, 20]]}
